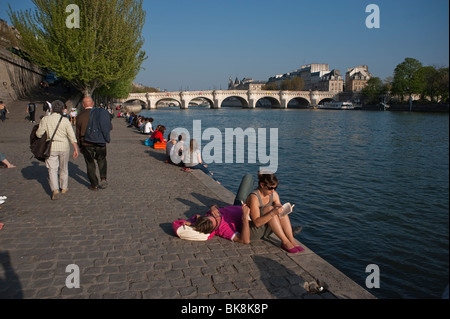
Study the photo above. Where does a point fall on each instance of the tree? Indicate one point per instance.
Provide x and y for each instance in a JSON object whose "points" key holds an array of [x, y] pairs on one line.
{"points": [[443, 84], [430, 86], [106, 48], [119, 89], [374, 91], [272, 86], [407, 78], [294, 84]]}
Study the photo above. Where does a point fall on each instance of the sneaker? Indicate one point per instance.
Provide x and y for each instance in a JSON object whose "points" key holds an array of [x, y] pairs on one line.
{"points": [[93, 188], [2, 201], [3, 198], [55, 195]]}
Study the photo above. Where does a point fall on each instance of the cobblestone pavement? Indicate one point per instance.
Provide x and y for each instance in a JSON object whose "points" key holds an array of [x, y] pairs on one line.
{"points": [[121, 237]]}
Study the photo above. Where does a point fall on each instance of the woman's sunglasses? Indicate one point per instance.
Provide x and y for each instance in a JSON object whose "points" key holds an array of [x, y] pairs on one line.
{"points": [[272, 188]]}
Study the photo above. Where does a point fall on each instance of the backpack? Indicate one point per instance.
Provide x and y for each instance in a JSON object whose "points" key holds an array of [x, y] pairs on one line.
{"points": [[32, 107]]}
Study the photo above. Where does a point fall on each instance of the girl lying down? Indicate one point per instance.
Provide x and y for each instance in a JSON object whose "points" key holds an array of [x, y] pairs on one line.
{"points": [[230, 222]]}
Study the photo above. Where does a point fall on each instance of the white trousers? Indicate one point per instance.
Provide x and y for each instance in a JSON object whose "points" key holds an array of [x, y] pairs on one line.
{"points": [[58, 170]]}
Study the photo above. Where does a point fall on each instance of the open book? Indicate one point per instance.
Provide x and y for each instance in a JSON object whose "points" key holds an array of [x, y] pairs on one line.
{"points": [[287, 209]]}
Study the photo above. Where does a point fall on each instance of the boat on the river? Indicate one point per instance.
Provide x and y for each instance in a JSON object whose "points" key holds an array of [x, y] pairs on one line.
{"points": [[336, 106]]}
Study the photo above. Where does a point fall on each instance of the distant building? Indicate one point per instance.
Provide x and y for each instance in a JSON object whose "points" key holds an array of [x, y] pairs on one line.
{"points": [[316, 76], [312, 74], [332, 82], [356, 78], [245, 84]]}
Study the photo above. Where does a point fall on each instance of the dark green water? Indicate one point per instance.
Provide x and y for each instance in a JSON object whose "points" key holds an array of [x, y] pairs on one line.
{"points": [[369, 187]]}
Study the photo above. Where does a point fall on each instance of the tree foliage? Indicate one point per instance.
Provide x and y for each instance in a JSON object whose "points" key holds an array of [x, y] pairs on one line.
{"points": [[375, 91], [407, 78], [105, 49], [410, 77], [294, 84]]}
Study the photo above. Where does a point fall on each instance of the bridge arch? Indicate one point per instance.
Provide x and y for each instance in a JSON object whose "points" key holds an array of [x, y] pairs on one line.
{"points": [[159, 102], [326, 100], [132, 101], [268, 101], [167, 102], [229, 101], [298, 103], [188, 100]]}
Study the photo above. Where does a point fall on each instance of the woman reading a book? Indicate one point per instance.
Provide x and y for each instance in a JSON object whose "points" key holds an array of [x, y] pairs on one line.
{"points": [[266, 211]]}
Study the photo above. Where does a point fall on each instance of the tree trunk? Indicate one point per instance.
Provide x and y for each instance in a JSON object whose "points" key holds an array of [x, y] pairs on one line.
{"points": [[87, 91]]}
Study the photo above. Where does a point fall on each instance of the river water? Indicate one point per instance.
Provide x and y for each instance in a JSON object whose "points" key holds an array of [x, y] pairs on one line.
{"points": [[369, 187]]}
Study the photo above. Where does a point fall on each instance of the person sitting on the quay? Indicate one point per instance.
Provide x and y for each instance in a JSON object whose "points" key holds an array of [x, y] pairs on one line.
{"points": [[173, 136], [158, 135], [4, 161], [265, 207], [176, 151], [140, 123], [192, 159], [230, 222], [131, 118], [148, 128]]}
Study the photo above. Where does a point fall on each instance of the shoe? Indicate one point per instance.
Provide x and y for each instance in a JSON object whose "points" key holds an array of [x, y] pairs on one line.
{"points": [[93, 188], [299, 249], [3, 198], [2, 201], [55, 195], [104, 184], [291, 251], [65, 191]]}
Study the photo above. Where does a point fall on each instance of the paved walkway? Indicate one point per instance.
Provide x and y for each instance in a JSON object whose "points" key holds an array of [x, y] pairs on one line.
{"points": [[121, 237]]}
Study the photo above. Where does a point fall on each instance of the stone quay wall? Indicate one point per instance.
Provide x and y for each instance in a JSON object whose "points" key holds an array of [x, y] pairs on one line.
{"points": [[18, 77]]}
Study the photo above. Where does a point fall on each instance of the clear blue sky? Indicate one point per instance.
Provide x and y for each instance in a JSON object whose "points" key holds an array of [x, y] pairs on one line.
{"points": [[200, 44]]}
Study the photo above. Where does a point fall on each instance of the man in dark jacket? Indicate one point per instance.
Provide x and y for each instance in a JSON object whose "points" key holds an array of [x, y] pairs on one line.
{"points": [[93, 133]]}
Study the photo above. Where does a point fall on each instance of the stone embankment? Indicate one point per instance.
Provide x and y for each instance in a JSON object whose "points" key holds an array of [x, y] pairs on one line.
{"points": [[121, 238], [18, 77]]}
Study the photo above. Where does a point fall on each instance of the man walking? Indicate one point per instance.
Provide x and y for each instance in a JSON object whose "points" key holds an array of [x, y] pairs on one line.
{"points": [[93, 133], [3, 111], [31, 109]]}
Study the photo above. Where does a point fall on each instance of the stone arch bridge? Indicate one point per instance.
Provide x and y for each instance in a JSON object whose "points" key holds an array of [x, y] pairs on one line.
{"points": [[248, 98]]}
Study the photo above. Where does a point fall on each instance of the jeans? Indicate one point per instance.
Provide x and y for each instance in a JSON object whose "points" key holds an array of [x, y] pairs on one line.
{"points": [[204, 169], [91, 155]]}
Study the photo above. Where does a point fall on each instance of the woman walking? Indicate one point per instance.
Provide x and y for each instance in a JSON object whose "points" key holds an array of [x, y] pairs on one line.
{"points": [[58, 162]]}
